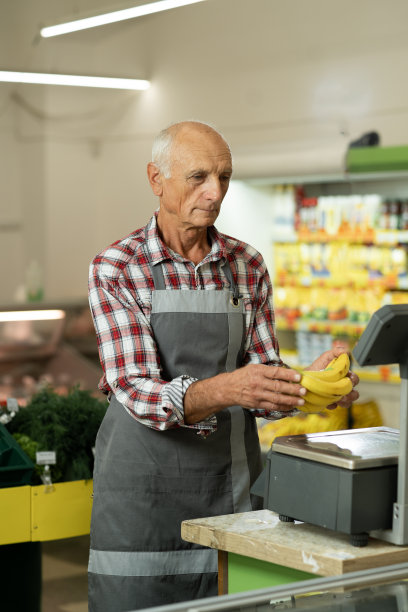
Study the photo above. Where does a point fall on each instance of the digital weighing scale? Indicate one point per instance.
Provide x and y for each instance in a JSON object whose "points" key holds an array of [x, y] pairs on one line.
{"points": [[353, 481]]}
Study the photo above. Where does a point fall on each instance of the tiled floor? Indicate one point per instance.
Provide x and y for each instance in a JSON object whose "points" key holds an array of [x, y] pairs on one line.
{"points": [[64, 575]]}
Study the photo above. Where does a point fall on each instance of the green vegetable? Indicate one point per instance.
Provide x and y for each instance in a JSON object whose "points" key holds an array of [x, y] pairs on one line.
{"points": [[67, 424], [30, 447]]}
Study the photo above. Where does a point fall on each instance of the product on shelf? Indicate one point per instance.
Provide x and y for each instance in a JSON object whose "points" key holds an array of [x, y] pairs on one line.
{"points": [[311, 345], [340, 264], [355, 218]]}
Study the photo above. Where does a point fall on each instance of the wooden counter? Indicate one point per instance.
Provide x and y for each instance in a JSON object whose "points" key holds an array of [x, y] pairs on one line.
{"points": [[303, 549]]}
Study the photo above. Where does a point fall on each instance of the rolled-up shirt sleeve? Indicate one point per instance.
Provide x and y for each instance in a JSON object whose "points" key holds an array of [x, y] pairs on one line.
{"points": [[130, 361], [261, 343]]}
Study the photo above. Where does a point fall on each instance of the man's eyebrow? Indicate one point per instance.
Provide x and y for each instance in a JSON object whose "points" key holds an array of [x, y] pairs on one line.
{"points": [[203, 171], [197, 171]]}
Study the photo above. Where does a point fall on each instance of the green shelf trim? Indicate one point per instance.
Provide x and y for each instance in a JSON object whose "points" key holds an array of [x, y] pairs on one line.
{"points": [[247, 574], [377, 159]]}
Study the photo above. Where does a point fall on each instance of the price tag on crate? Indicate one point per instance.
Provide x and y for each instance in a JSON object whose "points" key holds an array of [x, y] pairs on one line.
{"points": [[12, 404], [46, 458]]}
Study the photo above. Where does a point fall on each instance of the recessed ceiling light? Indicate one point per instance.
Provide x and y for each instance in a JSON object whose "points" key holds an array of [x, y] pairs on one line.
{"points": [[31, 315], [113, 17], [72, 80]]}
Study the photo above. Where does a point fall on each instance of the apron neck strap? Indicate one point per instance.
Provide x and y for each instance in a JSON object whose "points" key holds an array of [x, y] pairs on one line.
{"points": [[158, 277], [157, 270], [234, 287]]}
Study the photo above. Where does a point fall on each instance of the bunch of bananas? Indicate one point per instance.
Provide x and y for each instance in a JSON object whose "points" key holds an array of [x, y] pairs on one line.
{"points": [[325, 387]]}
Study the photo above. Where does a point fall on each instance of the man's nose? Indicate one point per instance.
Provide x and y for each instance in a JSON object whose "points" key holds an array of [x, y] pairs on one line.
{"points": [[214, 189]]}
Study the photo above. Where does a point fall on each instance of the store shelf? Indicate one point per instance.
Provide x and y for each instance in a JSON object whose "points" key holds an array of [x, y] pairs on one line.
{"points": [[41, 513], [336, 328], [385, 374], [374, 236]]}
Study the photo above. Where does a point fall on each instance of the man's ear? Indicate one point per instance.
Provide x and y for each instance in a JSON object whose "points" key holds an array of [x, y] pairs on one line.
{"points": [[155, 179]]}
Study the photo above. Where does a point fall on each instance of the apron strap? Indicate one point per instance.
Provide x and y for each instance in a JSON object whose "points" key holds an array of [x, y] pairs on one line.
{"points": [[234, 287], [158, 277], [157, 270]]}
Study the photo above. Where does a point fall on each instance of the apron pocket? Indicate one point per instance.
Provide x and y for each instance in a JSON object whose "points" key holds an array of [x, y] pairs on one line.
{"points": [[145, 512]]}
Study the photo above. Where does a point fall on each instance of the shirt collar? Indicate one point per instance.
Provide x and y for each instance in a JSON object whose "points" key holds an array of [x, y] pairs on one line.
{"points": [[156, 248], [158, 251]]}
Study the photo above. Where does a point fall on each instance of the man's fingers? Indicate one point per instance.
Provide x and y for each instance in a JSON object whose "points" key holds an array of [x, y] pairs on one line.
{"points": [[287, 395], [347, 400], [269, 387], [278, 373], [281, 386], [354, 378]]}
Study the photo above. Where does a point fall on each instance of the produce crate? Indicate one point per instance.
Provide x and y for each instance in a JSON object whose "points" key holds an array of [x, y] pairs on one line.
{"points": [[15, 524], [41, 513], [16, 467]]}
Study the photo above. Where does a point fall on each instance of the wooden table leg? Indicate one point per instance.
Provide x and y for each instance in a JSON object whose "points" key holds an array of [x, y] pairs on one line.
{"points": [[222, 572]]}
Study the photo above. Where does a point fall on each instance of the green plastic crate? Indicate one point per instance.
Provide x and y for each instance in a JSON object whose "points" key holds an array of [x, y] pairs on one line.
{"points": [[16, 467]]}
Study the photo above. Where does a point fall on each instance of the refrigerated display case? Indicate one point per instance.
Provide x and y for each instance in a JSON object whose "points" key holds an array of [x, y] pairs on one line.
{"points": [[383, 589], [42, 344]]}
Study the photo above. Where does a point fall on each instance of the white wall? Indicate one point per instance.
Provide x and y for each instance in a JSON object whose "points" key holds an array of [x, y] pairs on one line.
{"points": [[288, 83], [258, 215], [247, 214], [22, 164]]}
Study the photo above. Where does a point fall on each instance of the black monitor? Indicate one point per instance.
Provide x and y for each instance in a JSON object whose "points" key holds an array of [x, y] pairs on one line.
{"points": [[385, 339]]}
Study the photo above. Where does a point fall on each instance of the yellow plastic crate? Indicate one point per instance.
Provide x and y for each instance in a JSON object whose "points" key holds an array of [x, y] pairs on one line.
{"points": [[41, 513], [15, 524]]}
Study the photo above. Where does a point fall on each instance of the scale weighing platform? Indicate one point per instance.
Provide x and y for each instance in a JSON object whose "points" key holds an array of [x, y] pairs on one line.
{"points": [[354, 481]]}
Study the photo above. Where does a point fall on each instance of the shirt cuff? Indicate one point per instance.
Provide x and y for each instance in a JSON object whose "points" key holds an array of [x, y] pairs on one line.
{"points": [[276, 415], [173, 401]]}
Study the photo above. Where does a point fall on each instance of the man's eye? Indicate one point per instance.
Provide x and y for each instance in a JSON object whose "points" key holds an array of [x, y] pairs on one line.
{"points": [[225, 177]]}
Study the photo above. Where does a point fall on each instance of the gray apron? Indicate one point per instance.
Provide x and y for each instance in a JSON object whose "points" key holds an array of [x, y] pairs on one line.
{"points": [[146, 482]]}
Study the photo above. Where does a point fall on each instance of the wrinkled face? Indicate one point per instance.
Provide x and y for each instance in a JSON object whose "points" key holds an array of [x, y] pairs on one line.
{"points": [[201, 170]]}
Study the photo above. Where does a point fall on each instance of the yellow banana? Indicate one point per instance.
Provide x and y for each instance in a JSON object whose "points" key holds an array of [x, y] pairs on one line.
{"points": [[334, 371], [320, 400], [342, 386], [327, 389], [326, 386]]}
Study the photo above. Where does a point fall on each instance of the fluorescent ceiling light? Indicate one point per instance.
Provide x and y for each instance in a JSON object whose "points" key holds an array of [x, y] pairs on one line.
{"points": [[31, 315], [72, 80], [113, 17]]}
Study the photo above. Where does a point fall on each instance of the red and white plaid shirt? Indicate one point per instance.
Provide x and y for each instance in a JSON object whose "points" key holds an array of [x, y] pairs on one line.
{"points": [[120, 291]]}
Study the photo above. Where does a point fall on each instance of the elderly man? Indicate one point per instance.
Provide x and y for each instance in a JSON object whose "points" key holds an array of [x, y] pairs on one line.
{"points": [[184, 321]]}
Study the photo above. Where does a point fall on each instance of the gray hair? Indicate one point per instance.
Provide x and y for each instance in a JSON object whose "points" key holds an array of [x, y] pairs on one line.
{"points": [[161, 151], [162, 144]]}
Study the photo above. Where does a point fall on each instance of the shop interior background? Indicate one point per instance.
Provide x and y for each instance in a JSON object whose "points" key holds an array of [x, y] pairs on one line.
{"points": [[289, 83]]}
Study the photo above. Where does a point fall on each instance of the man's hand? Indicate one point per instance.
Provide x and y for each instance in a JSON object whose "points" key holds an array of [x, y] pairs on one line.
{"points": [[267, 387], [263, 387]]}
